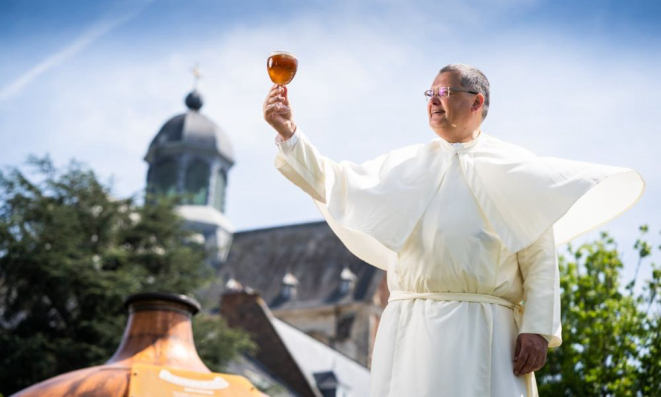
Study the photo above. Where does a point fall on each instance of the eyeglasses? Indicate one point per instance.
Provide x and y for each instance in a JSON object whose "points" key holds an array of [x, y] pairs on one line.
{"points": [[446, 91]]}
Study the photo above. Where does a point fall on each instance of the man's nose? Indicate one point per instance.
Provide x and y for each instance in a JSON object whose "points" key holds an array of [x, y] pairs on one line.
{"points": [[435, 99]]}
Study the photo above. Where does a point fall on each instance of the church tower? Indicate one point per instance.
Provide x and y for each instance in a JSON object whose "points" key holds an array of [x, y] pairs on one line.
{"points": [[190, 156]]}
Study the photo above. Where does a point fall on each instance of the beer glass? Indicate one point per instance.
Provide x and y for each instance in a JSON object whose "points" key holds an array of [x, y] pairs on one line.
{"points": [[282, 67]]}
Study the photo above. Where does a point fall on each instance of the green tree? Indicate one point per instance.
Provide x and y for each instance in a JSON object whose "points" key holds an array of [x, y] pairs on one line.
{"points": [[70, 253], [611, 337], [649, 379], [214, 339]]}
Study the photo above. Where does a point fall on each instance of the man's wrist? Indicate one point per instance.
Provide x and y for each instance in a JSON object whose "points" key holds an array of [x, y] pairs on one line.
{"points": [[287, 144], [287, 132], [542, 336]]}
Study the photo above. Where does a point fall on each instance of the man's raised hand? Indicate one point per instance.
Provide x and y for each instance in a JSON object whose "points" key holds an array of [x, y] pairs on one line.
{"points": [[277, 111]]}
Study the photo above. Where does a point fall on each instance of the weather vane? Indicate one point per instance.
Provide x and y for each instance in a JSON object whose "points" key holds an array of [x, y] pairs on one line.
{"points": [[197, 74]]}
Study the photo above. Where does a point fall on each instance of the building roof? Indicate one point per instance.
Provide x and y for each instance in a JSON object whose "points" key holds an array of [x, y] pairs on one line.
{"points": [[191, 130], [246, 310], [320, 363], [310, 252], [291, 357]]}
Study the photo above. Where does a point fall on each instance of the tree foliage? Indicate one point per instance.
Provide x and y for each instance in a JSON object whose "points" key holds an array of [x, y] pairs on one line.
{"points": [[215, 339], [611, 333], [70, 253]]}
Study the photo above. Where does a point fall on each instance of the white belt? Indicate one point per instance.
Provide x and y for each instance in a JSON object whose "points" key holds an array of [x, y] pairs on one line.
{"points": [[460, 297], [451, 296]]}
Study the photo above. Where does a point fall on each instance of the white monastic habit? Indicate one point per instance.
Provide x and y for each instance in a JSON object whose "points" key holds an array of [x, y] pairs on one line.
{"points": [[466, 233]]}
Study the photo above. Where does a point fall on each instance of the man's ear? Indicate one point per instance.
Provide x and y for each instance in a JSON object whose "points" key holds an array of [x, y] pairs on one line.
{"points": [[479, 101]]}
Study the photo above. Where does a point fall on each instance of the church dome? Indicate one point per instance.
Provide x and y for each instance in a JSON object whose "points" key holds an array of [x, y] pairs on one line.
{"points": [[192, 130]]}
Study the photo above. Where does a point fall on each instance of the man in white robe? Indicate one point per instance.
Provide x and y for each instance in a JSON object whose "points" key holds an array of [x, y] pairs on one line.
{"points": [[466, 228]]}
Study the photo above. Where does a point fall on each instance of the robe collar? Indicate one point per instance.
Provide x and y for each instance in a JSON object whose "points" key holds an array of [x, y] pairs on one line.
{"points": [[457, 147]]}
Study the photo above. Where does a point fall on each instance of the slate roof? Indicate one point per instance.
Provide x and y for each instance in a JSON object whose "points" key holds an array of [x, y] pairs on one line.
{"points": [[312, 253]]}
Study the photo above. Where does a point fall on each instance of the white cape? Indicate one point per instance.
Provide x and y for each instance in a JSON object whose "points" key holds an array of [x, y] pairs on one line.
{"points": [[373, 207]]}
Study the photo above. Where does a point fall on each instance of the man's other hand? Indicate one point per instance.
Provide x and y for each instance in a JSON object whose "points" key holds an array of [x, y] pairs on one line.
{"points": [[530, 353]]}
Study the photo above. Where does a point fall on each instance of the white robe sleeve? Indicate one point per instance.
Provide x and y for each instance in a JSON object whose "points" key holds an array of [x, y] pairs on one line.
{"points": [[307, 172], [523, 195], [339, 193], [541, 285]]}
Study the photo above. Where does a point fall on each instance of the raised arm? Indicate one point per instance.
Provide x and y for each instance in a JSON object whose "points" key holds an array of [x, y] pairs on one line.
{"points": [[300, 162]]}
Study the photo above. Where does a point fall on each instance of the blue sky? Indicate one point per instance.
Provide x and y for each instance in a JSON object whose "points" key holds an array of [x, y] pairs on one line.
{"points": [[96, 80]]}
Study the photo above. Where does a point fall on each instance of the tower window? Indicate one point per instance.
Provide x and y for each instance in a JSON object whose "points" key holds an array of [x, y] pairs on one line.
{"points": [[164, 178], [197, 183]]}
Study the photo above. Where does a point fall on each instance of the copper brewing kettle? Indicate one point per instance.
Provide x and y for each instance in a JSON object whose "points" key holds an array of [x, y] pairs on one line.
{"points": [[159, 332]]}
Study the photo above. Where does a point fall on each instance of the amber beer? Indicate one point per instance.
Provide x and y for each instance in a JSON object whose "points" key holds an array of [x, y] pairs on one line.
{"points": [[282, 67]]}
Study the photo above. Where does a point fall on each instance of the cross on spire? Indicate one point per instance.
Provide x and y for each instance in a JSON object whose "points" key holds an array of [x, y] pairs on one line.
{"points": [[197, 75]]}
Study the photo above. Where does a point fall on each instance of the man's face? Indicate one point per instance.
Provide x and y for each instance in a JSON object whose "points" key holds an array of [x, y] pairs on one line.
{"points": [[453, 112]]}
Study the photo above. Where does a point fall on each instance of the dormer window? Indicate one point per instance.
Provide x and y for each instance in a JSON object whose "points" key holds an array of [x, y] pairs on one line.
{"points": [[233, 285], [347, 281], [289, 285]]}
